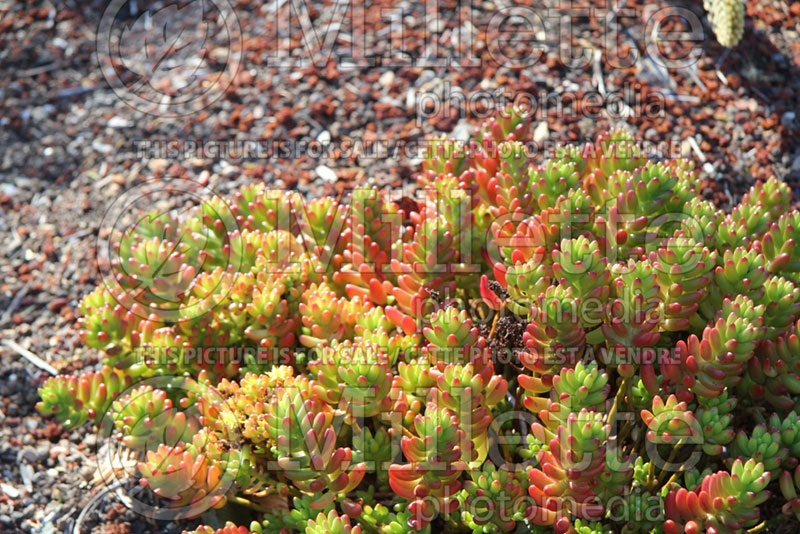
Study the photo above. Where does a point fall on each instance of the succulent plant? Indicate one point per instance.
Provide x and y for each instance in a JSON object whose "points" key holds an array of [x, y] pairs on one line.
{"points": [[231, 528], [732, 233], [741, 272], [715, 420], [774, 371], [268, 316], [682, 269], [333, 523], [778, 246], [445, 156], [670, 421], [77, 399], [327, 317], [574, 389], [513, 189], [452, 337], [305, 445], [510, 124], [725, 502], [539, 346], [578, 264], [554, 338], [789, 484], [494, 498], [324, 231], [789, 428], [762, 445], [469, 394], [354, 375], [438, 452], [551, 180], [523, 281], [781, 301], [375, 450], [368, 247], [111, 321], [632, 318], [699, 219], [145, 416], [562, 487], [775, 195], [705, 366], [185, 477], [614, 150]]}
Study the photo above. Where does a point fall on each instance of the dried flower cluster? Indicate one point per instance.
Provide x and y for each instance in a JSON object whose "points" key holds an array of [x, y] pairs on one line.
{"points": [[582, 346], [727, 19]]}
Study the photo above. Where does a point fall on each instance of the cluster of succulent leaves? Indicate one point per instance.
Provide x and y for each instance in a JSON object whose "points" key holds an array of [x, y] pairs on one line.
{"points": [[582, 345]]}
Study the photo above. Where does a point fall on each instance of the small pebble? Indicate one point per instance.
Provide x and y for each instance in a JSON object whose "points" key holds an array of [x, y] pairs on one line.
{"points": [[386, 79], [157, 164], [26, 473], [324, 138], [411, 99], [103, 148], [541, 133], [9, 490], [462, 131], [326, 173], [119, 122]]}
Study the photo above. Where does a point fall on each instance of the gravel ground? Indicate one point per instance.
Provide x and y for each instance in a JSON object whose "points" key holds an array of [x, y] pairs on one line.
{"points": [[70, 146]]}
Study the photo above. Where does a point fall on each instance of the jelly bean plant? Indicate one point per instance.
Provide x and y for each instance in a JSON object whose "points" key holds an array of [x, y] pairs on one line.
{"points": [[575, 345]]}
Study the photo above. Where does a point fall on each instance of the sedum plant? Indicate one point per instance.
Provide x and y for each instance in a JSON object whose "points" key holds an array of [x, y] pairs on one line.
{"points": [[576, 345]]}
